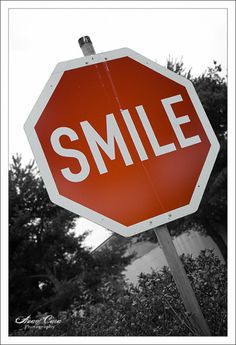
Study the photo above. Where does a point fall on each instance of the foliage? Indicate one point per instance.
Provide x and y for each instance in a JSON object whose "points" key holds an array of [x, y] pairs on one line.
{"points": [[178, 67], [42, 252], [212, 91], [152, 308]]}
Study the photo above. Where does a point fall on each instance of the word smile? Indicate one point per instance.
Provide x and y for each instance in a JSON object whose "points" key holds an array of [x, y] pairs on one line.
{"points": [[97, 143]]}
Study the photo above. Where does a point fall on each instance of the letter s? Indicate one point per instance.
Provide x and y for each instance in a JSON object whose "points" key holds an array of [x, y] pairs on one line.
{"points": [[66, 172]]}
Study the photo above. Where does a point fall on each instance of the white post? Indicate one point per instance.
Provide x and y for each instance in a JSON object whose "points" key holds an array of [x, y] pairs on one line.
{"points": [[182, 282]]}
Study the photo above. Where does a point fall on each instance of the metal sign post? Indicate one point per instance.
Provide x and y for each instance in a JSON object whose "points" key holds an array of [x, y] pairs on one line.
{"points": [[182, 282]]}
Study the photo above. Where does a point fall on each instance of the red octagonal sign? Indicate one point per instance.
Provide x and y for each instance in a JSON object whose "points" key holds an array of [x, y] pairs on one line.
{"points": [[122, 141]]}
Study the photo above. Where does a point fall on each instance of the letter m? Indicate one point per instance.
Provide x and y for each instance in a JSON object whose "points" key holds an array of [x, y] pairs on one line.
{"points": [[95, 141]]}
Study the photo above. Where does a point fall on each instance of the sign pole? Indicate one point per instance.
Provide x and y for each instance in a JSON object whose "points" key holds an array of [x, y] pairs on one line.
{"points": [[86, 45], [182, 282]]}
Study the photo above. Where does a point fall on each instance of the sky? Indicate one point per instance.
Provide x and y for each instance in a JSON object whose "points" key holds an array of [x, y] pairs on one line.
{"points": [[40, 38]]}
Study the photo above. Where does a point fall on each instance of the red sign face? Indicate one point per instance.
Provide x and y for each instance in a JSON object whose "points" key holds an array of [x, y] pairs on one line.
{"points": [[124, 142]]}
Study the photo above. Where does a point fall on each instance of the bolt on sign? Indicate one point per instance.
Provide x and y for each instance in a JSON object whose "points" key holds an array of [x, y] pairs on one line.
{"points": [[122, 141]]}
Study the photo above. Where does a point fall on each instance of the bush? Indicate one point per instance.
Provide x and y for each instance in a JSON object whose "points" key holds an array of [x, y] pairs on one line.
{"points": [[152, 308]]}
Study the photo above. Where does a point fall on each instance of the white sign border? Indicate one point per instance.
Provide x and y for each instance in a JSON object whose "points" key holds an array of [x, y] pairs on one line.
{"points": [[92, 215]]}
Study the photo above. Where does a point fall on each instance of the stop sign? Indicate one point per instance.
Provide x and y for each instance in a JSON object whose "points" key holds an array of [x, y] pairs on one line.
{"points": [[122, 141]]}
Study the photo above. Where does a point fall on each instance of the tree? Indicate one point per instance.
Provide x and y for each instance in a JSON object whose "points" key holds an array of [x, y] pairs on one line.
{"points": [[42, 252]]}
